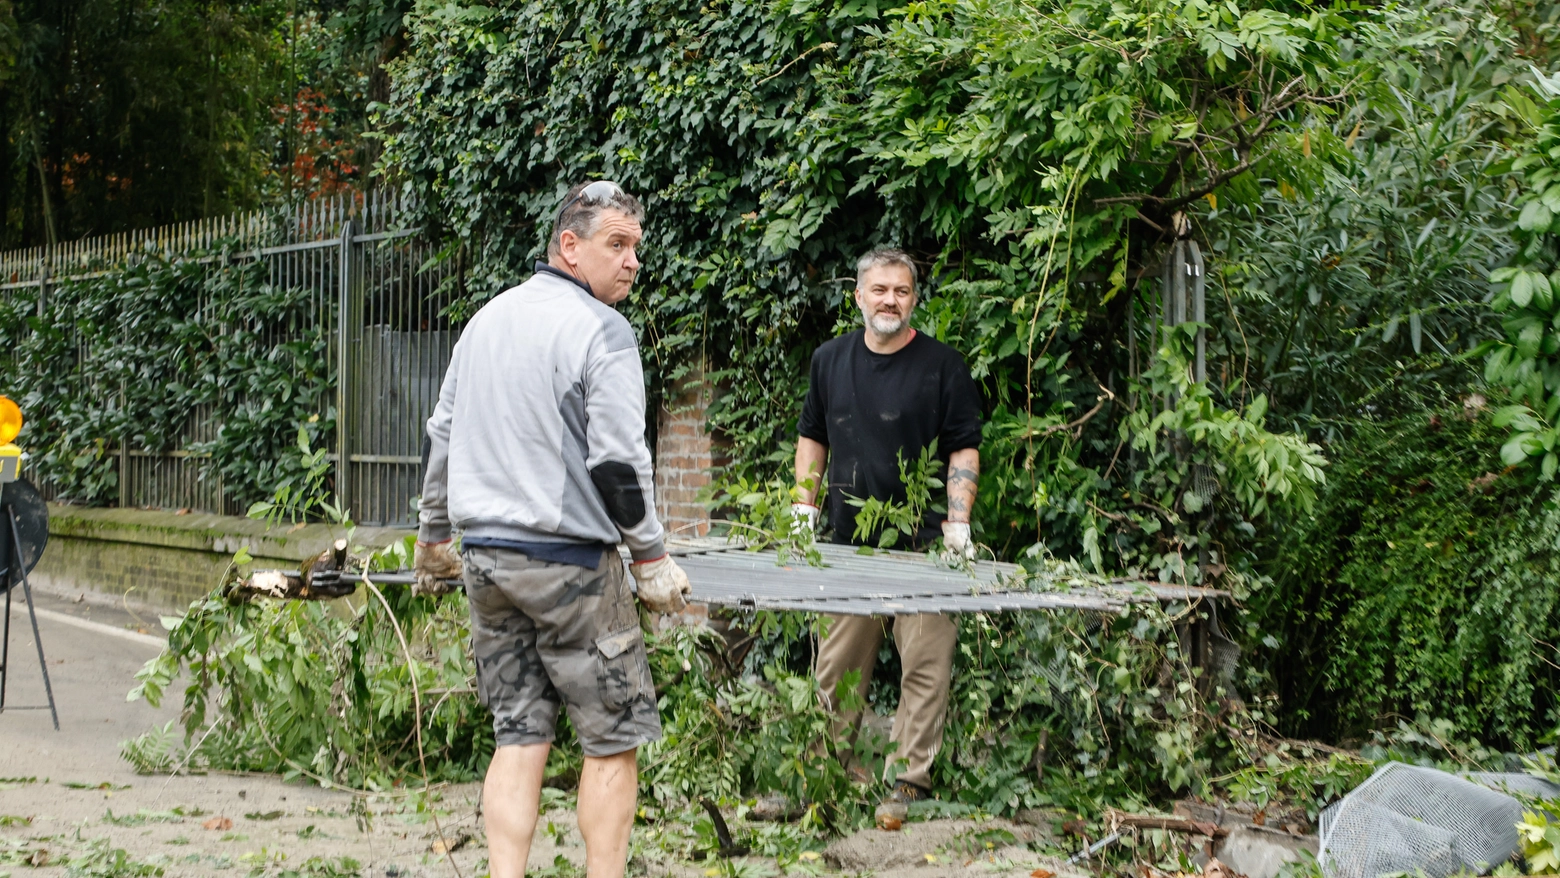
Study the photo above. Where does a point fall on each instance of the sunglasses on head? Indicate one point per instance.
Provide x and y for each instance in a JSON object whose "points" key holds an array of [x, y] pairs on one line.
{"points": [[598, 192]]}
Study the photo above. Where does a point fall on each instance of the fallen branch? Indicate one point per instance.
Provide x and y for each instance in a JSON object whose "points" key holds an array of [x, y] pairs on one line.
{"points": [[1312, 745], [1121, 819], [1105, 396], [319, 580], [411, 674]]}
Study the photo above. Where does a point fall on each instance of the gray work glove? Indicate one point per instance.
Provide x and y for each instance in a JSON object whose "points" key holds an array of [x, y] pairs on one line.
{"points": [[662, 585], [434, 564], [958, 546]]}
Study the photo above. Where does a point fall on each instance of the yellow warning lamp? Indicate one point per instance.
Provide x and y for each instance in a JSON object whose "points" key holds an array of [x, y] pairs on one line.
{"points": [[10, 425]]}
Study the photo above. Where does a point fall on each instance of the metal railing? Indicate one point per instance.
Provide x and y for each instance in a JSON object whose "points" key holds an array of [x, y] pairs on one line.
{"points": [[377, 294]]}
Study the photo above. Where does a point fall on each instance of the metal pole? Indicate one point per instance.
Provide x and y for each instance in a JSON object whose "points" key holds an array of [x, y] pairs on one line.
{"points": [[5, 648], [345, 320], [124, 455], [18, 566], [1194, 267]]}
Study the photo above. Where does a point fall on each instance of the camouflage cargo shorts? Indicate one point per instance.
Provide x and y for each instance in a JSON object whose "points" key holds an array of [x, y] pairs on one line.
{"points": [[547, 634]]}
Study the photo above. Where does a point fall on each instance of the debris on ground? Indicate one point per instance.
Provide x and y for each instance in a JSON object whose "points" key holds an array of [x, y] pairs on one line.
{"points": [[1259, 852], [945, 841]]}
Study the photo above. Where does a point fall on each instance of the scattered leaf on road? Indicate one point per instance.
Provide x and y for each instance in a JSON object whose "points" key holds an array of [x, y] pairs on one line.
{"points": [[450, 845]]}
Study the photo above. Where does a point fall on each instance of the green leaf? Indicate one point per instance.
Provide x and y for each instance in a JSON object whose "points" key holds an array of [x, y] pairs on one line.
{"points": [[1522, 289], [1535, 217], [1512, 453], [1543, 293]]}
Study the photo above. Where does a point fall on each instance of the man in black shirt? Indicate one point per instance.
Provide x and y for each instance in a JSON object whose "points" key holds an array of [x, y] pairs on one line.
{"points": [[878, 395]]}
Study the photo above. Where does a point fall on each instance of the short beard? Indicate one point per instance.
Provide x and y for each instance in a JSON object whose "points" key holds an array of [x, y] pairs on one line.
{"points": [[882, 324]]}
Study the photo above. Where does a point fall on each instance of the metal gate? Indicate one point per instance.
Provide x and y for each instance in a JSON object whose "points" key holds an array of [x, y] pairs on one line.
{"points": [[378, 294]]}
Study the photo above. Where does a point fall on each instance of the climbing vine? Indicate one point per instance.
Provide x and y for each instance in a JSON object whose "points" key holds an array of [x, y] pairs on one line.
{"points": [[1026, 153], [1423, 586]]}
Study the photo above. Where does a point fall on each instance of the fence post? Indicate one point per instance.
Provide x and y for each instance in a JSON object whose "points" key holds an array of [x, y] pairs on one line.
{"points": [[124, 454], [346, 320]]}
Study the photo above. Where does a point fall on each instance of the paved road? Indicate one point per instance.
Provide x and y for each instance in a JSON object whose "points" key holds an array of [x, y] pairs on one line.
{"points": [[75, 789], [75, 778], [93, 650]]}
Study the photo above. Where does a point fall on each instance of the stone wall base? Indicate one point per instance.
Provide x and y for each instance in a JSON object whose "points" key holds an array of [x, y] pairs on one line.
{"points": [[166, 559]]}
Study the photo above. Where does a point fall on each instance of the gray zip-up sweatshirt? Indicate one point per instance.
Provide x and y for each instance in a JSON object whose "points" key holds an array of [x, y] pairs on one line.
{"points": [[539, 434]]}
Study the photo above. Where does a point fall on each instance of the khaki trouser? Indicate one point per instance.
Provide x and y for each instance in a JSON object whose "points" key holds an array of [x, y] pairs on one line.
{"points": [[926, 644]]}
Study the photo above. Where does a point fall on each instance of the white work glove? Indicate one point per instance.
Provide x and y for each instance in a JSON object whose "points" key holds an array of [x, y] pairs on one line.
{"points": [[957, 545], [434, 563], [662, 585], [804, 519]]}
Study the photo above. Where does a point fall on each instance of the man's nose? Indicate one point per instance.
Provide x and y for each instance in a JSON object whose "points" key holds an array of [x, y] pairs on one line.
{"points": [[632, 262]]}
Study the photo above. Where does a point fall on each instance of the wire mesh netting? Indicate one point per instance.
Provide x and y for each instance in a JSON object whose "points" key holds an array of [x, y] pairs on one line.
{"points": [[1407, 818], [1516, 783]]}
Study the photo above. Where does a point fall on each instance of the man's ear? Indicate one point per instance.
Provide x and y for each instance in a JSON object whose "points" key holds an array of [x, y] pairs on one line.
{"points": [[568, 246]]}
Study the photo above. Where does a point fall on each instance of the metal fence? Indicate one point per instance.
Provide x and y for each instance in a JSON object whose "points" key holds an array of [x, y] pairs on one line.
{"points": [[376, 295]]}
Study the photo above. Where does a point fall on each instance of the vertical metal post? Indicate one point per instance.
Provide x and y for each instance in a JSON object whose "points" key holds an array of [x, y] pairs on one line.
{"points": [[346, 321], [124, 454], [1194, 268], [1167, 297], [17, 568], [5, 643], [1174, 301], [1184, 298], [1132, 351]]}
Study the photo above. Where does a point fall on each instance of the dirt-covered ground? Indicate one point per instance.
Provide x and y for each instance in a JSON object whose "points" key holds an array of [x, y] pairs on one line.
{"points": [[68, 796]]}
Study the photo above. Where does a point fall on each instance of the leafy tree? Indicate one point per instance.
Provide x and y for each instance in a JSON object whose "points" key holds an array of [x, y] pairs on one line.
{"points": [[1016, 146], [124, 115], [1356, 287]]}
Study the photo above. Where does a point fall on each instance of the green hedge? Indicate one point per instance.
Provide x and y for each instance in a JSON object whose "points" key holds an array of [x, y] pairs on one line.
{"points": [[133, 355], [1424, 586]]}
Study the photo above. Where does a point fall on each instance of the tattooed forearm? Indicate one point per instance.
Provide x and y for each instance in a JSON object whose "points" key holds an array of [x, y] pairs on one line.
{"points": [[963, 477]]}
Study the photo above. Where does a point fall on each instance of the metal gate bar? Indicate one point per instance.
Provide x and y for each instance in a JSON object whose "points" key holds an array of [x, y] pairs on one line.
{"points": [[376, 293]]}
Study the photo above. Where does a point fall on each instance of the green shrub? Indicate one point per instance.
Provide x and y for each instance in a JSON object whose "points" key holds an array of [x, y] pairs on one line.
{"points": [[1424, 584]]}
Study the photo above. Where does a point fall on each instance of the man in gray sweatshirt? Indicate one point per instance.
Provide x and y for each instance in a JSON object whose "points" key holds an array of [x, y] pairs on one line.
{"points": [[536, 452]]}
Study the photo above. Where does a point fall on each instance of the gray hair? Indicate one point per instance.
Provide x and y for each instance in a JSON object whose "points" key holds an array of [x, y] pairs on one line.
{"points": [[583, 216], [886, 256]]}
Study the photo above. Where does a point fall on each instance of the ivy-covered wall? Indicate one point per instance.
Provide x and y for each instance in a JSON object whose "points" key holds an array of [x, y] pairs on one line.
{"points": [[1028, 168]]}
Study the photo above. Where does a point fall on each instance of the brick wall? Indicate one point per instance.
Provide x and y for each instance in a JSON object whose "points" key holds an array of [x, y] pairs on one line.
{"points": [[684, 455]]}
